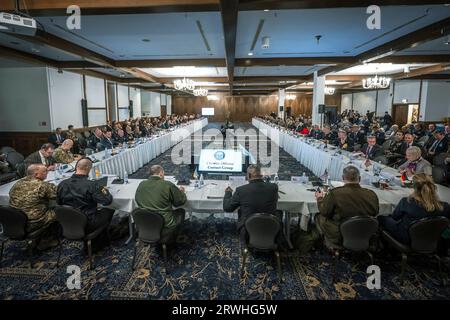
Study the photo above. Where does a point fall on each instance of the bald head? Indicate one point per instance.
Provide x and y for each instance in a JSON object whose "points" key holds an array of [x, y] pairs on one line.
{"points": [[38, 171], [83, 167]]}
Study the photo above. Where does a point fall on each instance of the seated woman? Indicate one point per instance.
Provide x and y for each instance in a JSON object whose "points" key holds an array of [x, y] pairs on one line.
{"points": [[415, 164], [422, 203]]}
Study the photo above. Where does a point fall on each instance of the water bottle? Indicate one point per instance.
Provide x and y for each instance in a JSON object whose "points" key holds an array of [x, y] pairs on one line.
{"points": [[105, 156], [125, 178], [202, 182], [275, 178], [304, 178], [97, 173]]}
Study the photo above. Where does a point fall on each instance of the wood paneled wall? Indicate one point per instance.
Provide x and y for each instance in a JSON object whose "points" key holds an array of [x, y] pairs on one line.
{"points": [[243, 108], [24, 142]]}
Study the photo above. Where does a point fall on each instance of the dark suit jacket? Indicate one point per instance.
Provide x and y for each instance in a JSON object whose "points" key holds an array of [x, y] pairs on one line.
{"points": [[35, 157], [53, 139], [255, 197], [376, 151], [441, 147]]}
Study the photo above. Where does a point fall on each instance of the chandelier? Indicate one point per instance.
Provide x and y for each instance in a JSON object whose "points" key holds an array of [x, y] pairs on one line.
{"points": [[376, 82], [290, 97], [201, 92], [330, 91], [184, 84]]}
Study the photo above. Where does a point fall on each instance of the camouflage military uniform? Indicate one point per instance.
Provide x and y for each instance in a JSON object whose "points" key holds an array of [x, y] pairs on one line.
{"points": [[62, 156], [32, 196]]}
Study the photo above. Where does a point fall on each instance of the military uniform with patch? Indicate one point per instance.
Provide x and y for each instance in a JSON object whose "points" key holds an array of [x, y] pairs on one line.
{"points": [[83, 194], [33, 196], [62, 156]]}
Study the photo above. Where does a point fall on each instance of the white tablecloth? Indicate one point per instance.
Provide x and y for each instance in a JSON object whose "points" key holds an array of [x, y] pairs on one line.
{"points": [[309, 153]]}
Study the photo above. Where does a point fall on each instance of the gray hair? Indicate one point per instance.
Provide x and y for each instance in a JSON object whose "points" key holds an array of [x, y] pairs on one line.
{"points": [[414, 151], [351, 174], [156, 170]]}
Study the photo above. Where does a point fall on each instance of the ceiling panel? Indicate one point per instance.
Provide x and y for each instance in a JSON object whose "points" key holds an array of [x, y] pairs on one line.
{"points": [[437, 46], [277, 71], [146, 36], [343, 30]]}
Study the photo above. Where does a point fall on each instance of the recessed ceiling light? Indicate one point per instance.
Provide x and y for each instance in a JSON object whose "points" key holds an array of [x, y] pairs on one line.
{"points": [[250, 53], [145, 40], [266, 10]]}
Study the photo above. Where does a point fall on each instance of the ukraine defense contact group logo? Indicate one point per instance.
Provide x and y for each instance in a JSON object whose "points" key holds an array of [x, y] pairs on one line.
{"points": [[219, 155]]}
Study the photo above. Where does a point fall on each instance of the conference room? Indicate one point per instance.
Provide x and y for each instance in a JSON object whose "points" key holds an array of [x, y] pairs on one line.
{"points": [[224, 150]]}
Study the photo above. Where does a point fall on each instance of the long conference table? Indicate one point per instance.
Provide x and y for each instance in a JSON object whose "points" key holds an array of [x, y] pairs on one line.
{"points": [[320, 159]]}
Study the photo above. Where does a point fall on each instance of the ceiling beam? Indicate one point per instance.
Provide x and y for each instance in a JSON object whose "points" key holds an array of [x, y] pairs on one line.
{"points": [[408, 59], [270, 78], [315, 4], [110, 7], [422, 71], [168, 63], [412, 39], [302, 61], [229, 12], [196, 79], [43, 37]]}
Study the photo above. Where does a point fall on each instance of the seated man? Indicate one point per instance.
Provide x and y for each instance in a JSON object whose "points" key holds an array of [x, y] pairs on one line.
{"points": [[329, 136], [255, 197], [56, 138], [119, 139], [343, 142], [63, 155], [357, 135], [342, 203], [95, 138], [397, 149], [439, 145], [371, 149], [43, 156], [32, 195], [415, 164], [83, 194], [107, 141], [158, 195]]}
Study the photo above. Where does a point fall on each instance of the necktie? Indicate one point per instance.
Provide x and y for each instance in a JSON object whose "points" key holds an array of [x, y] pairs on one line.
{"points": [[368, 151]]}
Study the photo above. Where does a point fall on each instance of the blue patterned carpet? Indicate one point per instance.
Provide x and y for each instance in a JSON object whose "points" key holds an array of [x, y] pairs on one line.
{"points": [[205, 264]]}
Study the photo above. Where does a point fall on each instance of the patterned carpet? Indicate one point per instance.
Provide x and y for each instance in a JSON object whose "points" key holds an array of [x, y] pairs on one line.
{"points": [[205, 264]]}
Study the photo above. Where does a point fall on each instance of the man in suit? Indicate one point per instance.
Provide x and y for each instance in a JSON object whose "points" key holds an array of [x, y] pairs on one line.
{"points": [[440, 144], [371, 149], [107, 141], [342, 203], [56, 138], [357, 135], [95, 139], [43, 156], [255, 197], [159, 195]]}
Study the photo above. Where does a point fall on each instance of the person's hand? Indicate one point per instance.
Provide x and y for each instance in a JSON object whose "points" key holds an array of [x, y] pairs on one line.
{"points": [[447, 160], [51, 167], [228, 189], [77, 157], [182, 189], [319, 195]]}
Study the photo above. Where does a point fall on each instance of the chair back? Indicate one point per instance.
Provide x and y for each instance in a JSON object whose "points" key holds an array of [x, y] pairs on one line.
{"points": [[425, 234], [14, 158], [14, 222], [6, 150], [262, 229], [149, 224], [439, 160], [72, 221], [357, 231], [438, 174]]}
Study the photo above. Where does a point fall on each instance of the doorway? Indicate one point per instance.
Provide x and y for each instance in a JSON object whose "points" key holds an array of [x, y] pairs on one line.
{"points": [[405, 113]]}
